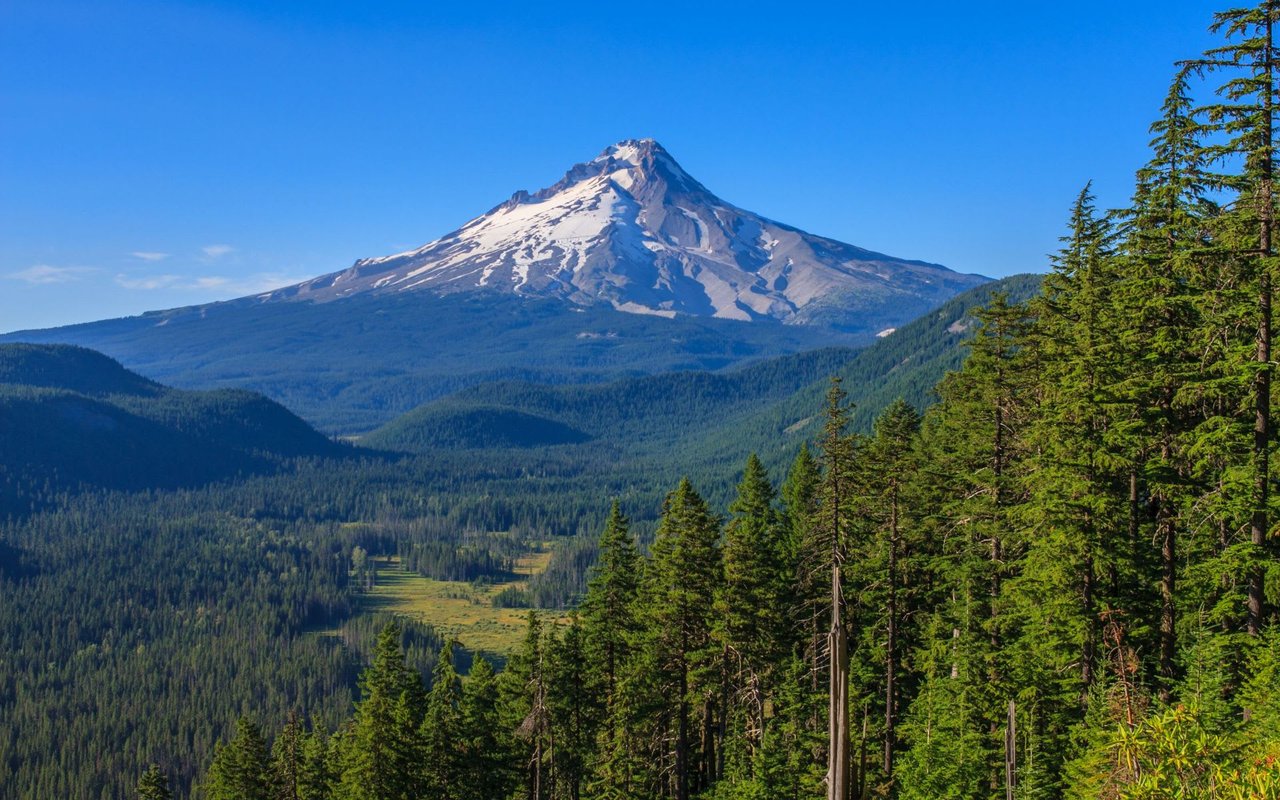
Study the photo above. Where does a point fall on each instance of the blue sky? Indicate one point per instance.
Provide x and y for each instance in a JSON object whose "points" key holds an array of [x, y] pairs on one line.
{"points": [[159, 154]]}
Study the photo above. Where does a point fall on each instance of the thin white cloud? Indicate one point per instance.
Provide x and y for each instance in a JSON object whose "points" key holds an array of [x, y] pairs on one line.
{"points": [[221, 285], [149, 255], [45, 274], [217, 250], [149, 282]]}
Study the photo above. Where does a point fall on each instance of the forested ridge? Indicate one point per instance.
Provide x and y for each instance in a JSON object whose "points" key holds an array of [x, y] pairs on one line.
{"points": [[71, 418], [1061, 581]]}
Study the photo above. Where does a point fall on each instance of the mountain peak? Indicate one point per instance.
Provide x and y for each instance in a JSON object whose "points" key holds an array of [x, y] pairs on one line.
{"points": [[631, 229], [636, 152], [641, 167], [628, 147]]}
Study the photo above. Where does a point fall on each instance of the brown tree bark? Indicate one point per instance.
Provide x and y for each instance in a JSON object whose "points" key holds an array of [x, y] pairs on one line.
{"points": [[838, 711]]}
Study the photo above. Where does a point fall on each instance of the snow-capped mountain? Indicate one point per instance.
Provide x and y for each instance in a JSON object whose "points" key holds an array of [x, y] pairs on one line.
{"points": [[536, 290], [633, 230]]}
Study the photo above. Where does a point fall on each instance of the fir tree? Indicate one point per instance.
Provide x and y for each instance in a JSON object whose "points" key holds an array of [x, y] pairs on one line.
{"points": [[610, 629], [443, 733], [575, 710], [608, 609], [288, 760], [808, 561], [888, 468], [1161, 251], [241, 770], [153, 785], [486, 749], [1246, 120], [316, 776], [974, 444], [678, 595], [945, 756], [382, 750], [750, 605]]}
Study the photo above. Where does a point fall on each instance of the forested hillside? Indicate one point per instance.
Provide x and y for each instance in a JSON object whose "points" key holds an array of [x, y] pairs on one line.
{"points": [[1060, 581], [681, 410], [72, 418], [354, 364]]}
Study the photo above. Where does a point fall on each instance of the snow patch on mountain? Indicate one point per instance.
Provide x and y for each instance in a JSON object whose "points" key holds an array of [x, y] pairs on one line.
{"points": [[632, 229]]}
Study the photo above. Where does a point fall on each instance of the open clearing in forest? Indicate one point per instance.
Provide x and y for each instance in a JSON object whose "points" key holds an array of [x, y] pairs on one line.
{"points": [[456, 609]]}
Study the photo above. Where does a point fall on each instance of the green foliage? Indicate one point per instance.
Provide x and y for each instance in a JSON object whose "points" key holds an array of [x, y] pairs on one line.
{"points": [[944, 754], [448, 424], [381, 750], [683, 659], [1171, 755], [608, 609], [441, 757], [241, 770], [153, 785]]}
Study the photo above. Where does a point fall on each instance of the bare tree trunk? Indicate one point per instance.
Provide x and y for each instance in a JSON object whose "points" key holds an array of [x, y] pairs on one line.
{"points": [[682, 739], [1166, 533], [838, 713], [536, 794], [1011, 753]]}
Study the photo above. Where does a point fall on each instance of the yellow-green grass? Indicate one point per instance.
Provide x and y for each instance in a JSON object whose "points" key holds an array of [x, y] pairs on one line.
{"points": [[456, 609]]}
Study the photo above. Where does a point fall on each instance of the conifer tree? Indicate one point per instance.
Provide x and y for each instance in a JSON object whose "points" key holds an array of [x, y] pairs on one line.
{"points": [[288, 759], [316, 776], [786, 768], [610, 630], [608, 609], [973, 442], [525, 711], [888, 472], [1078, 504], [1245, 118], [241, 770], [750, 605], [443, 733], [153, 785], [575, 710], [382, 751], [945, 755], [486, 750], [1071, 524], [1162, 249], [808, 558], [681, 654]]}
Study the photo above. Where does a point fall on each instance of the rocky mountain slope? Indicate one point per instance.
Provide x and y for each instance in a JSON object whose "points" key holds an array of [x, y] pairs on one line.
{"points": [[632, 229]]}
